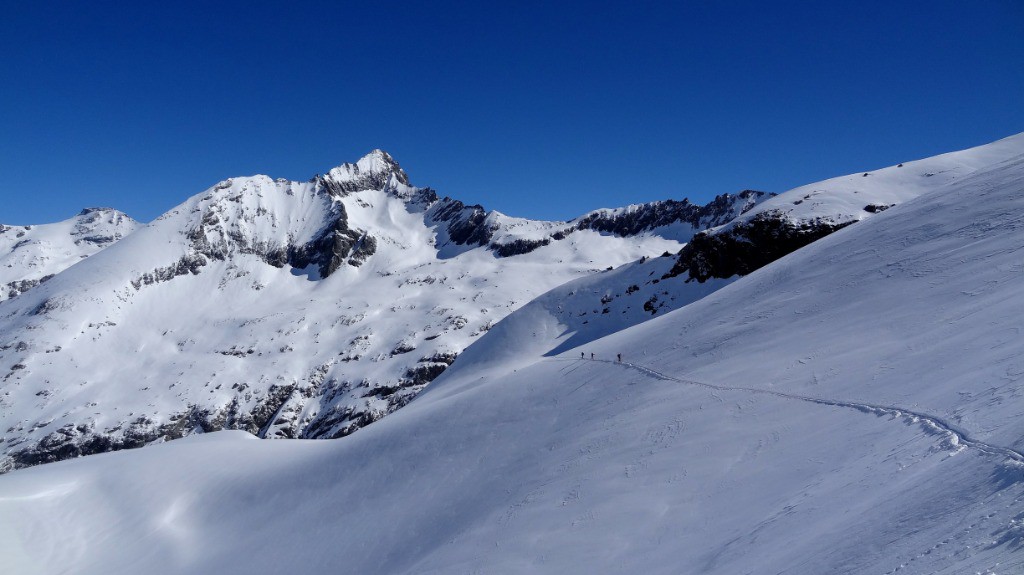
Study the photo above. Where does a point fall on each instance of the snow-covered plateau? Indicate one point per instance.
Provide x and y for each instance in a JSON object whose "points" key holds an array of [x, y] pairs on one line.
{"points": [[850, 407]]}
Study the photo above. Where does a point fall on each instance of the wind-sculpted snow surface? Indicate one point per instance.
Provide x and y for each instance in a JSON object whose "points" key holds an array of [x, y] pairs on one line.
{"points": [[850, 408], [31, 255], [289, 309]]}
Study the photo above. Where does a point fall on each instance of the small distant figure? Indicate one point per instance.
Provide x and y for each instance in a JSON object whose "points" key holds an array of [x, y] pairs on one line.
{"points": [[591, 355], [582, 356], [619, 357]]}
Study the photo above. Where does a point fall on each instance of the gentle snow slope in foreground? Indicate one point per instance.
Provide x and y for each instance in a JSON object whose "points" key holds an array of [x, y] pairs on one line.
{"points": [[578, 466]]}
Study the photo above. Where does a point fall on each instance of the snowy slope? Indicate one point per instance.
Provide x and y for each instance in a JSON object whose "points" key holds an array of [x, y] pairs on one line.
{"points": [[32, 254], [289, 309], [594, 306], [850, 408], [800, 216], [849, 198]]}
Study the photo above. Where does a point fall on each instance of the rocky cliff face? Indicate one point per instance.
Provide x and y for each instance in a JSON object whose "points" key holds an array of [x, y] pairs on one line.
{"points": [[747, 246], [474, 226]]}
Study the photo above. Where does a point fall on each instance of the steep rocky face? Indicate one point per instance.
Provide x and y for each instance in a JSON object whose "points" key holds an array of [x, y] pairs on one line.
{"points": [[336, 246], [474, 226], [231, 223], [747, 246], [464, 225], [647, 217], [375, 171]]}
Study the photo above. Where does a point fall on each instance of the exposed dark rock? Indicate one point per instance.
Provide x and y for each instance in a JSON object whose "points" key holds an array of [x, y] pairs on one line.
{"points": [[647, 217], [75, 441], [357, 180], [424, 373], [264, 412], [651, 305], [876, 208], [341, 420], [334, 420], [445, 357], [19, 287], [747, 246], [518, 247], [469, 225], [401, 348], [46, 306], [288, 422], [98, 240], [364, 248], [466, 225], [657, 214], [188, 264], [333, 247], [88, 211]]}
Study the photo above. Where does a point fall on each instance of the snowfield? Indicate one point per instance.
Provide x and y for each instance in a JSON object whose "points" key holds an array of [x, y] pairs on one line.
{"points": [[30, 255], [853, 407]]}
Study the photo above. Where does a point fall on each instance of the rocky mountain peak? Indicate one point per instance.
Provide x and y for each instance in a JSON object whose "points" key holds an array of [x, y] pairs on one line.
{"points": [[379, 161], [87, 211], [117, 220], [374, 171]]}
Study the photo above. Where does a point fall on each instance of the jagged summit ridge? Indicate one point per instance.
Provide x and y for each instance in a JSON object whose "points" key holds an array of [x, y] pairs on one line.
{"points": [[100, 209], [238, 217], [465, 227], [377, 170]]}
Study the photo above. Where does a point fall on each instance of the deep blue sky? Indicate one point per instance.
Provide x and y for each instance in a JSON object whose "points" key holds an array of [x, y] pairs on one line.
{"points": [[542, 110]]}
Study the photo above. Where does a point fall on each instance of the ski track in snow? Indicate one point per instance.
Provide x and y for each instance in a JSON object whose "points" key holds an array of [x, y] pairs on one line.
{"points": [[957, 438]]}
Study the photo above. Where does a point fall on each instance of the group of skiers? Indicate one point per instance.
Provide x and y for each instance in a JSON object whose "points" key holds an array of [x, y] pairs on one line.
{"points": [[618, 356]]}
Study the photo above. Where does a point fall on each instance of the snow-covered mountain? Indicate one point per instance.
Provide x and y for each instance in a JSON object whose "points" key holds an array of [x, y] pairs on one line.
{"points": [[852, 407], [597, 305], [290, 309], [805, 214], [30, 255]]}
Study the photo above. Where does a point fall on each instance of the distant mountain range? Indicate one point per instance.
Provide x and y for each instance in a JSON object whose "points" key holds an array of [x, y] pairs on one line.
{"points": [[312, 309], [825, 381]]}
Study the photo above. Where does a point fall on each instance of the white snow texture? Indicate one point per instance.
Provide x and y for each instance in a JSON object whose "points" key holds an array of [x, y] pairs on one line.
{"points": [[853, 407]]}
